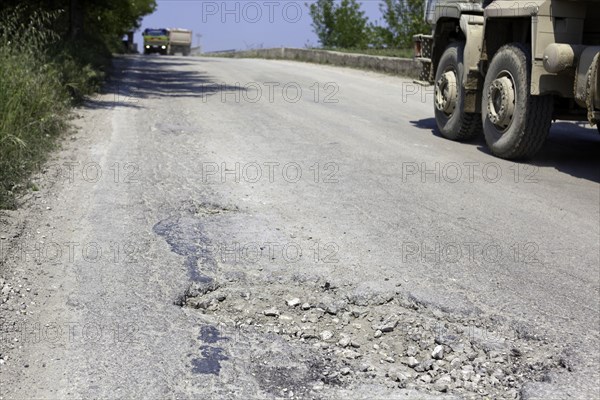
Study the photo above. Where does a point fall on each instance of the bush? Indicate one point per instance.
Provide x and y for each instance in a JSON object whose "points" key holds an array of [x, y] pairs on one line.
{"points": [[342, 25], [40, 78], [83, 65]]}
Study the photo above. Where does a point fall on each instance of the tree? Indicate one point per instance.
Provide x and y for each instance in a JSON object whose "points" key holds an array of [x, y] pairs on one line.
{"points": [[351, 26], [116, 17], [342, 25], [323, 21], [404, 18], [105, 20]]}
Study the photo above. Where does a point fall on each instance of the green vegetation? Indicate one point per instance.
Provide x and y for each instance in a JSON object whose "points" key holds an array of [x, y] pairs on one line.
{"points": [[343, 25], [52, 54], [403, 19]]}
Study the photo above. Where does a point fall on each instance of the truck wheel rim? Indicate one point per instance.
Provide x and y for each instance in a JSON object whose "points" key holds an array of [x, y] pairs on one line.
{"points": [[446, 92], [501, 101]]}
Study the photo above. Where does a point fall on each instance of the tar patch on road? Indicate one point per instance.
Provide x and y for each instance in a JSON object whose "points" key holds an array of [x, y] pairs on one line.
{"points": [[210, 362], [184, 233], [187, 239], [210, 334]]}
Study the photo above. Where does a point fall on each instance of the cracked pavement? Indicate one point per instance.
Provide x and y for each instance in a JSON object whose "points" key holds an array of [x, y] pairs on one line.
{"points": [[228, 228]]}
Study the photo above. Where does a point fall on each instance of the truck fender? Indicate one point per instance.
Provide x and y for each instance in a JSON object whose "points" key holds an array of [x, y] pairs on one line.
{"points": [[472, 27], [587, 82]]}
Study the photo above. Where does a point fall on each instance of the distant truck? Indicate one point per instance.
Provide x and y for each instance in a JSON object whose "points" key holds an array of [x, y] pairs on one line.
{"points": [[508, 68], [167, 41], [156, 41], [180, 41]]}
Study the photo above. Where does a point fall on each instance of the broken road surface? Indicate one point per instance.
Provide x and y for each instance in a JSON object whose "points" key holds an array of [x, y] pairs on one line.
{"points": [[221, 228]]}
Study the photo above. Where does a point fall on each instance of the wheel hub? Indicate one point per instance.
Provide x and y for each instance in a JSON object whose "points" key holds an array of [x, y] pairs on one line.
{"points": [[446, 92], [501, 102]]}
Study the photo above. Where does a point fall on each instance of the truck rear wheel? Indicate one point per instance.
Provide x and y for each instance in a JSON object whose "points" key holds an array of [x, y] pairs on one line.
{"points": [[449, 98], [515, 123]]}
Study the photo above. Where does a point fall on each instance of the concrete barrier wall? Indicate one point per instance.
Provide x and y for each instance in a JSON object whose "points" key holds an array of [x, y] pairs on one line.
{"points": [[393, 65]]}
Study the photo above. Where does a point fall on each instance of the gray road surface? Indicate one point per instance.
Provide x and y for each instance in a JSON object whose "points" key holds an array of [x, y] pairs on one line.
{"points": [[198, 196]]}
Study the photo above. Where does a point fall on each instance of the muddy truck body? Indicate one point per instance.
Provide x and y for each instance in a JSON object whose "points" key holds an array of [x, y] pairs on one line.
{"points": [[509, 68], [180, 41]]}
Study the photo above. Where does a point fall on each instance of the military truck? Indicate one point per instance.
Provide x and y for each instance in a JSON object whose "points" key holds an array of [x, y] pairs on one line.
{"points": [[156, 41], [509, 68], [180, 41]]}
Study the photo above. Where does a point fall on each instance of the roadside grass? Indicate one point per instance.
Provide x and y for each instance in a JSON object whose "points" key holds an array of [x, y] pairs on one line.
{"points": [[41, 77]]}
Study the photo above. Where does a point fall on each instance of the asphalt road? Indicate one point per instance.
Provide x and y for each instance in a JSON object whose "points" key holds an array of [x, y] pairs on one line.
{"points": [[197, 196]]}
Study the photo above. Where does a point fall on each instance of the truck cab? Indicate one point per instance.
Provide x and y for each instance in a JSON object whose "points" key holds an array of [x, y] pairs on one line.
{"points": [[156, 41]]}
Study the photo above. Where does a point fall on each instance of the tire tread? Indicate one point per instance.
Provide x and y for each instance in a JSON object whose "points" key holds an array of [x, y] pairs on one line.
{"points": [[468, 125], [538, 112]]}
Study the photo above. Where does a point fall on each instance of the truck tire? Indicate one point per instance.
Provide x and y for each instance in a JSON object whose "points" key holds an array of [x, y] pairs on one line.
{"points": [[515, 123], [449, 99]]}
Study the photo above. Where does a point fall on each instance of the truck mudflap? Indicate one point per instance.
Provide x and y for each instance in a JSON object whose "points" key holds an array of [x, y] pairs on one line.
{"points": [[587, 83], [423, 45]]}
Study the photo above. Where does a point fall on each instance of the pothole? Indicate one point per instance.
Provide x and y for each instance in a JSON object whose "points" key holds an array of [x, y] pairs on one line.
{"points": [[370, 333], [383, 337], [201, 295], [173, 129]]}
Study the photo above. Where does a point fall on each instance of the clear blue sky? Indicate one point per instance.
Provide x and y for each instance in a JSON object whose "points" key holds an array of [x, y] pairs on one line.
{"points": [[241, 24]]}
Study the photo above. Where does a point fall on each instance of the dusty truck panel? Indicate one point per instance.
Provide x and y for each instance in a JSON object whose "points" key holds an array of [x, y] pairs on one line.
{"points": [[180, 41], [508, 68]]}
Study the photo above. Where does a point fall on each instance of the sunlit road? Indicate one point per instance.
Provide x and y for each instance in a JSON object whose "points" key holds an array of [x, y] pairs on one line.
{"points": [[204, 194]]}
